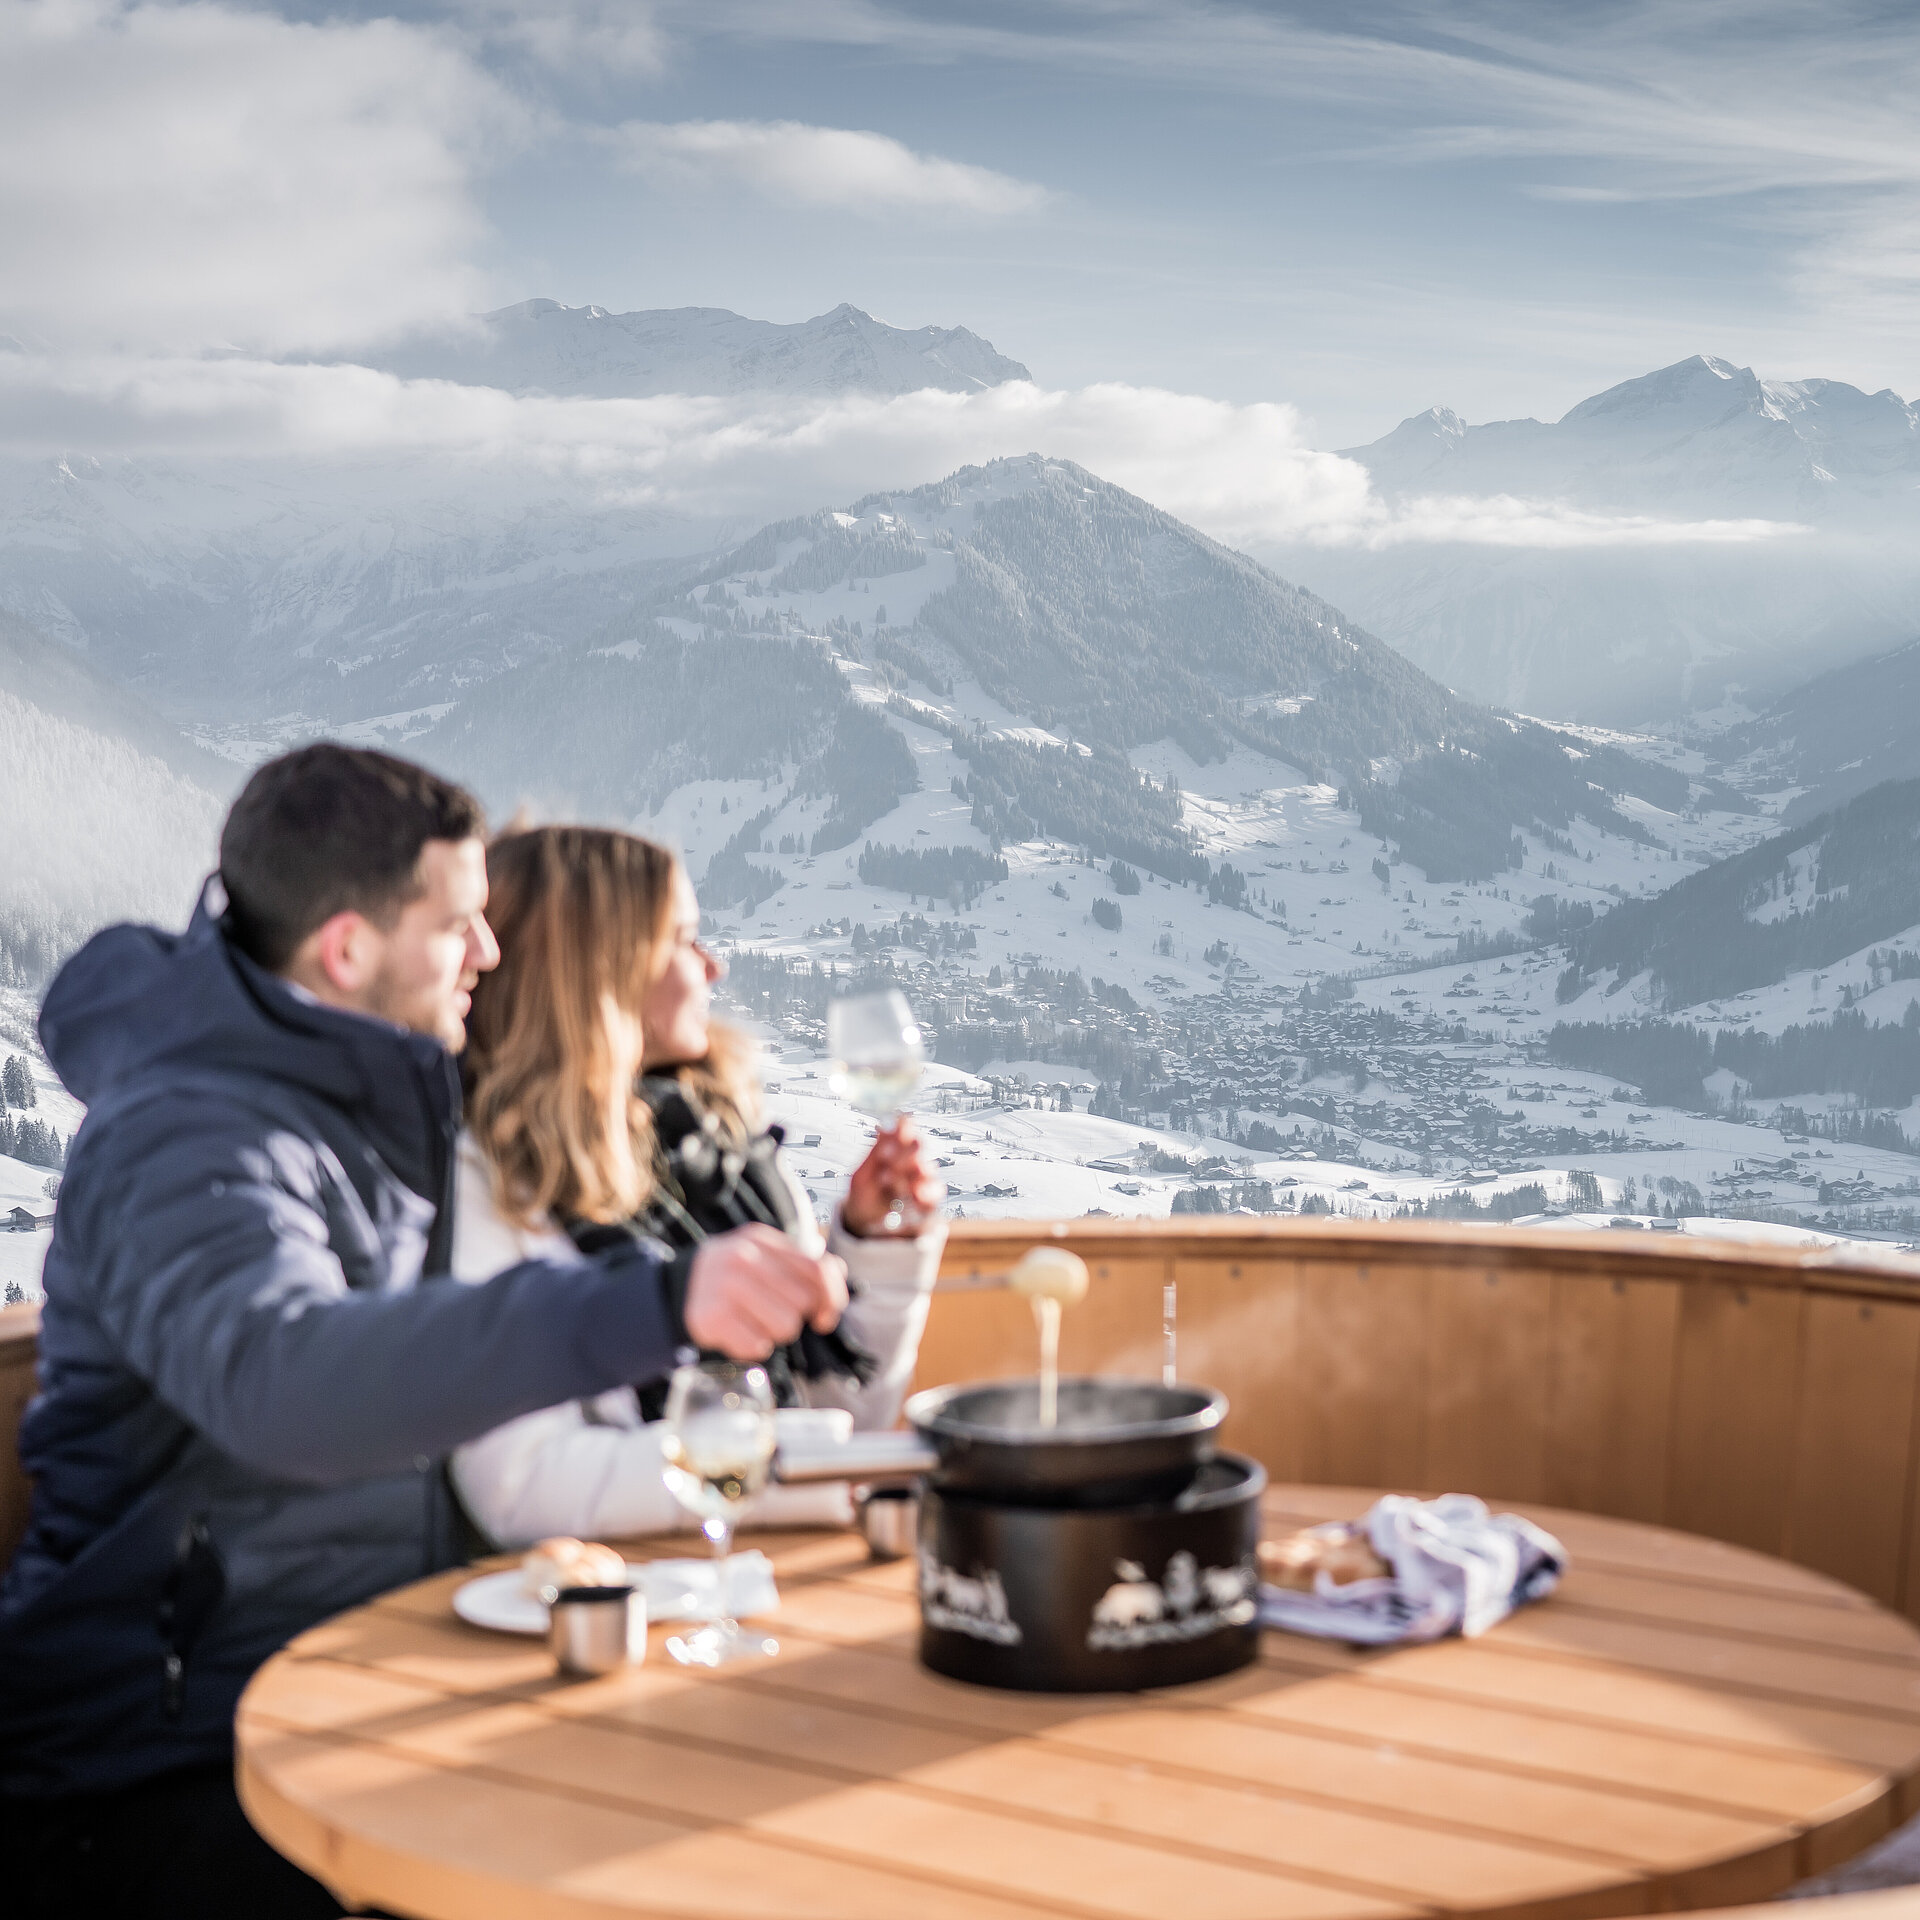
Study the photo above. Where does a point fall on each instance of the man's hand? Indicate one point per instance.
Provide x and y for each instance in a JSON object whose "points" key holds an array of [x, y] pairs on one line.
{"points": [[752, 1290], [895, 1173]]}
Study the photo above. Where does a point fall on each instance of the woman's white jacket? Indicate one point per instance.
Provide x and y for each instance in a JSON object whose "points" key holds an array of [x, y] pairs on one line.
{"points": [[592, 1468]]}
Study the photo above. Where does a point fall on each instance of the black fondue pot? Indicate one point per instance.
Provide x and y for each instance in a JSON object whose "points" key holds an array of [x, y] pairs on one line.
{"points": [[1115, 1443], [1111, 1551], [1093, 1599]]}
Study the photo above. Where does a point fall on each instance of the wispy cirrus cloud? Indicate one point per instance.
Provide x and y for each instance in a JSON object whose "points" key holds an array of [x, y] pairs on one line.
{"points": [[810, 166], [1799, 120], [1727, 96], [1241, 472], [621, 37]]}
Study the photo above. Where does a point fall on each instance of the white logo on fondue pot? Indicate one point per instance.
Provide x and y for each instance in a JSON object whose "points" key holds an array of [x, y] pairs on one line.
{"points": [[1187, 1602], [975, 1604]]}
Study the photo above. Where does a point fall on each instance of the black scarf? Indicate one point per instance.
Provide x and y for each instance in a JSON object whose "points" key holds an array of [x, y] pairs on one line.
{"points": [[705, 1183]]}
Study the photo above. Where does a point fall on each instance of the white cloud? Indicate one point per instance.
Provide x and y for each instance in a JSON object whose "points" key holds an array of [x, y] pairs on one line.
{"points": [[199, 173], [1501, 520], [820, 167], [1242, 473]]}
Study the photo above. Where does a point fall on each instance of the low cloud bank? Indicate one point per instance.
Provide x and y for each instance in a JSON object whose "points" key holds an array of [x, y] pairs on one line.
{"points": [[1242, 473]]}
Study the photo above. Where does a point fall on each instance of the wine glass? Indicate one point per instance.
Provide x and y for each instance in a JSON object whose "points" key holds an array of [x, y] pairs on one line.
{"points": [[877, 1053], [717, 1447]]}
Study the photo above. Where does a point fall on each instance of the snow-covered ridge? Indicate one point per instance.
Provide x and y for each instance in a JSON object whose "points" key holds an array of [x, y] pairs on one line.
{"points": [[540, 346], [1633, 637], [1703, 435]]}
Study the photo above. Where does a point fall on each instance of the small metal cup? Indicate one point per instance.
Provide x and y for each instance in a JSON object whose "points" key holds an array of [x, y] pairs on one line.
{"points": [[890, 1518], [597, 1629]]}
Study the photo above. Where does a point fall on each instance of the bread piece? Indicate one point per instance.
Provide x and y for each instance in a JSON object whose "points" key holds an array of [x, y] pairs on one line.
{"points": [[565, 1562], [1342, 1552], [599, 1566], [546, 1565]]}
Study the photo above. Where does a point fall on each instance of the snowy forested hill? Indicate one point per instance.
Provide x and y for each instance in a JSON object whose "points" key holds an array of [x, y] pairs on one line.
{"points": [[1838, 735], [1055, 624], [1793, 904]]}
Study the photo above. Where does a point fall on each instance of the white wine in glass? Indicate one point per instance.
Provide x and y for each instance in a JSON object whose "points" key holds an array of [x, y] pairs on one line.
{"points": [[717, 1448], [877, 1056]]}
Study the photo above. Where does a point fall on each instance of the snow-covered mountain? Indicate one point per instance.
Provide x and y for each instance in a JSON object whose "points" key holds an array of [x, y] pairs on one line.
{"points": [[1701, 435], [1646, 622], [1055, 626], [540, 346]]}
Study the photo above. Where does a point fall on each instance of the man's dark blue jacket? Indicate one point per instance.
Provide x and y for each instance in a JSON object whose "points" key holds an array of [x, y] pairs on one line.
{"points": [[250, 1368]]}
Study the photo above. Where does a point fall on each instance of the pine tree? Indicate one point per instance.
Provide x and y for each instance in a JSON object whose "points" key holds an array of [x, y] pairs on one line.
{"points": [[16, 1083]]}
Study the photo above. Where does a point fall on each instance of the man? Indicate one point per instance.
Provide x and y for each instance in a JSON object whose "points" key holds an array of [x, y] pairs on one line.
{"points": [[250, 1370]]}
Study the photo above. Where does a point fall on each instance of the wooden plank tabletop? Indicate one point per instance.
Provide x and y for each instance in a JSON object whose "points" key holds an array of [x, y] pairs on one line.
{"points": [[1684, 1724]]}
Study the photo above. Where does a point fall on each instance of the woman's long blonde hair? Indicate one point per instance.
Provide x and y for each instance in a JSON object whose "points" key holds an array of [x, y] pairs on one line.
{"points": [[581, 914]]}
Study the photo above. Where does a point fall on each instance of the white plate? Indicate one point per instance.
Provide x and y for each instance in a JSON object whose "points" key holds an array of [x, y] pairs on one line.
{"points": [[675, 1590]]}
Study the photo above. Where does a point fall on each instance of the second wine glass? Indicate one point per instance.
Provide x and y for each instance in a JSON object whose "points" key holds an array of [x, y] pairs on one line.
{"points": [[877, 1055], [717, 1446]]}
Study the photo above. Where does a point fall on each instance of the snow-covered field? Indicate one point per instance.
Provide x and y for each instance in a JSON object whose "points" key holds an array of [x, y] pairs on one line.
{"points": [[1317, 909], [21, 1185]]}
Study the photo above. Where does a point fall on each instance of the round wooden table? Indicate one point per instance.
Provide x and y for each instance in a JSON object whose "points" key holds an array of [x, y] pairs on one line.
{"points": [[1684, 1724]]}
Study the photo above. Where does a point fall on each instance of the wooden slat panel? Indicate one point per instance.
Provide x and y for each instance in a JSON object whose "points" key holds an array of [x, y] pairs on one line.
{"points": [[1238, 1327], [1859, 1365], [1116, 1328], [435, 1840], [1489, 1376], [1601, 1821], [1910, 1550], [1377, 1851], [19, 1347], [990, 1334], [1785, 1617], [1872, 1682], [1734, 1388], [1614, 1696], [975, 1336], [1609, 1421], [1507, 1733], [1363, 1373], [1008, 1821]]}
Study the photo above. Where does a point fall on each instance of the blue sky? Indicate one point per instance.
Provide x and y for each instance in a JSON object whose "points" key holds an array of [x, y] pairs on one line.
{"points": [[1360, 210], [1363, 210]]}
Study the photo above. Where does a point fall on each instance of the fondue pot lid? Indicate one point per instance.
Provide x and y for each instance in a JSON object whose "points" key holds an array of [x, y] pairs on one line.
{"points": [[1093, 1412]]}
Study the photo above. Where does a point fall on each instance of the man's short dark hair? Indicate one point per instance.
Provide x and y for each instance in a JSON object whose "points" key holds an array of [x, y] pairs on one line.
{"points": [[327, 828]]}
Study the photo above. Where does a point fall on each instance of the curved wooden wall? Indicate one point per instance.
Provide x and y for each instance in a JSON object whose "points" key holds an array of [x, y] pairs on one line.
{"points": [[1762, 1397], [19, 1338], [1765, 1398]]}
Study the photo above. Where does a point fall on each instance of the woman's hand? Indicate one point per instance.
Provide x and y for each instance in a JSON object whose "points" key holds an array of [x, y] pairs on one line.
{"points": [[896, 1174]]}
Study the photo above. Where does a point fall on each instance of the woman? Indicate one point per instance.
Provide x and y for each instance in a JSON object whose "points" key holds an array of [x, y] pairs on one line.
{"points": [[601, 1099]]}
